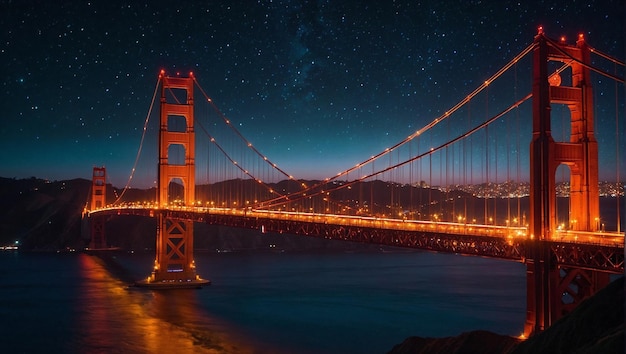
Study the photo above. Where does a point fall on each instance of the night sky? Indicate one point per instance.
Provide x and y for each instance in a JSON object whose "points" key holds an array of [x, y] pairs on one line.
{"points": [[317, 86]]}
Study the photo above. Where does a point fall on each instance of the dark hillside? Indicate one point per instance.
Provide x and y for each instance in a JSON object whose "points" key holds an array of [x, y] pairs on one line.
{"points": [[43, 215], [594, 327]]}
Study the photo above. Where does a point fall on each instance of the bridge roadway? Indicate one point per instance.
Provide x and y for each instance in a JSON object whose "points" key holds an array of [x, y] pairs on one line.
{"points": [[590, 250]]}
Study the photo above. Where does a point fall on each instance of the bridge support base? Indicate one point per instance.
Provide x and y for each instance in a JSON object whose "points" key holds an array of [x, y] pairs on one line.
{"points": [[172, 284], [555, 292], [174, 266], [98, 239]]}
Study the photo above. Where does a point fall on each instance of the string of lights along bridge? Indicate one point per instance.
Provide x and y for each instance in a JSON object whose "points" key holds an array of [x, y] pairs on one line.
{"points": [[484, 178]]}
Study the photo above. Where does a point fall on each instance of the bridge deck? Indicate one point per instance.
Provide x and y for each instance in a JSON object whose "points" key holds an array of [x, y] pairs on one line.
{"points": [[599, 251]]}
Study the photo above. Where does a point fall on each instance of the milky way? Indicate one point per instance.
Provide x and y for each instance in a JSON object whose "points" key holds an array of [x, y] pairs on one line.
{"points": [[321, 82]]}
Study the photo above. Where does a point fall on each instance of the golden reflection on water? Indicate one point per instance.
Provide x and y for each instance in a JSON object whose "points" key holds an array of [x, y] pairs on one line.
{"points": [[115, 318]]}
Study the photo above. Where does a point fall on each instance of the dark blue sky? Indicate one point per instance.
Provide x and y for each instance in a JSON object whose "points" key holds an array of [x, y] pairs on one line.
{"points": [[317, 86]]}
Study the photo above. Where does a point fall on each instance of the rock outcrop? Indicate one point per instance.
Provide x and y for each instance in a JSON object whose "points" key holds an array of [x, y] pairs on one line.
{"points": [[595, 326]]}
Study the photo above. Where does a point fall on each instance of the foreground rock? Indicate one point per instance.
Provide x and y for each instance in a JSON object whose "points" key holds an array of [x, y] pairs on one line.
{"points": [[471, 342], [596, 326]]}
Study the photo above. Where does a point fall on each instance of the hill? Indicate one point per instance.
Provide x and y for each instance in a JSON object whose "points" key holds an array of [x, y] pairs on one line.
{"points": [[41, 214], [595, 326]]}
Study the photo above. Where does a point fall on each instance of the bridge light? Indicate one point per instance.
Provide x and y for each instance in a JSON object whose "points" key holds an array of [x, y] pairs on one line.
{"points": [[540, 30], [562, 38], [554, 79]]}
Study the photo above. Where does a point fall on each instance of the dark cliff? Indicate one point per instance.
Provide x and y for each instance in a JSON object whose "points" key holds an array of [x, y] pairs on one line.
{"points": [[595, 326]]}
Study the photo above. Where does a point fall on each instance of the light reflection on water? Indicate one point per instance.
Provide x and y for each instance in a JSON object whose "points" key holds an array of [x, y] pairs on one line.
{"points": [[116, 318], [71, 303], [330, 302]]}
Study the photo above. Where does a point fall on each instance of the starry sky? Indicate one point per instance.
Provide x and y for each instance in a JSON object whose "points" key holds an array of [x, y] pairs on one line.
{"points": [[317, 86]]}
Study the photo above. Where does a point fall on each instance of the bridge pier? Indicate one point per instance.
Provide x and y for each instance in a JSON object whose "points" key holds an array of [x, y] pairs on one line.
{"points": [[553, 291], [174, 266], [98, 200]]}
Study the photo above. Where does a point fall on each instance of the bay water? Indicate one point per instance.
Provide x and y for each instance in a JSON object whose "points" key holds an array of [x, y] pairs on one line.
{"points": [[259, 302]]}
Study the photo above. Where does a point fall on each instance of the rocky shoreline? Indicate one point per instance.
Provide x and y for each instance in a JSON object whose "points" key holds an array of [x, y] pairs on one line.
{"points": [[595, 326]]}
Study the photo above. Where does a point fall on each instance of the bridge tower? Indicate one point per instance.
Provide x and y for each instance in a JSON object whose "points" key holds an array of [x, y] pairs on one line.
{"points": [[174, 264], [546, 282], [98, 200]]}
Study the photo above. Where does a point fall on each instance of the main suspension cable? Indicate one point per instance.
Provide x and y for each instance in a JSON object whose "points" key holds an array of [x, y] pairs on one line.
{"points": [[399, 164], [590, 67], [143, 136], [436, 120], [238, 133]]}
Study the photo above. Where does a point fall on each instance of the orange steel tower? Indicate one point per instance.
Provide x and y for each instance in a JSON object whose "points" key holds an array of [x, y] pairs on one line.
{"points": [[546, 283], [174, 264], [98, 200]]}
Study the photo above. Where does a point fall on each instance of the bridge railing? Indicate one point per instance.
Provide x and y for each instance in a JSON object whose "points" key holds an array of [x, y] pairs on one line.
{"points": [[510, 233]]}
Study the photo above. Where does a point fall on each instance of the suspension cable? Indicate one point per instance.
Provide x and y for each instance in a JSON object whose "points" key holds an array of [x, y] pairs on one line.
{"points": [[254, 149], [427, 153], [143, 136], [238, 133], [234, 162], [590, 67], [430, 125], [606, 56]]}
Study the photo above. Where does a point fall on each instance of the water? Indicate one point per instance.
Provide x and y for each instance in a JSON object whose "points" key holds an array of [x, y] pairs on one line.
{"points": [[309, 302]]}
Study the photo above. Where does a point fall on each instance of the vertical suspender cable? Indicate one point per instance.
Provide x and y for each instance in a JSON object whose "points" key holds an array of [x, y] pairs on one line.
{"points": [[617, 160], [465, 162], [495, 194], [411, 187], [486, 191], [507, 151], [517, 168]]}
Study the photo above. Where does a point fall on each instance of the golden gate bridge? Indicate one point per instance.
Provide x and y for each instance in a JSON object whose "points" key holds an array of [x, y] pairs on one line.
{"points": [[409, 194]]}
